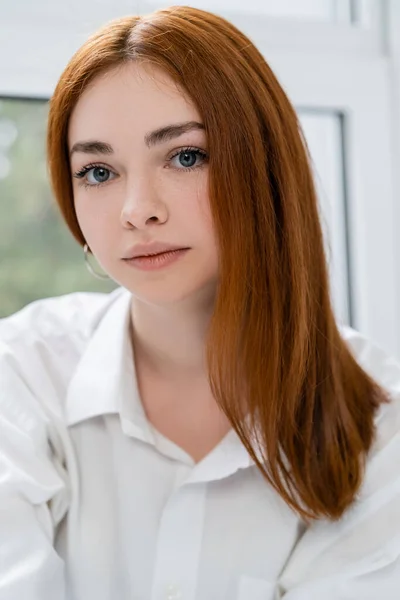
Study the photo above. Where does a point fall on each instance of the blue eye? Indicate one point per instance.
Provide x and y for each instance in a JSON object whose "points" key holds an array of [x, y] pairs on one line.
{"points": [[100, 173], [189, 155], [94, 175]]}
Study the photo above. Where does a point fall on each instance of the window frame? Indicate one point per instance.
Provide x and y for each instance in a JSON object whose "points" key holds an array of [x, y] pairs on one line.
{"points": [[353, 69]]}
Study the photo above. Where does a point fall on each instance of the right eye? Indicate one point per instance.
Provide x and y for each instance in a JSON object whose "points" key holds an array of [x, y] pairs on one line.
{"points": [[100, 173]]}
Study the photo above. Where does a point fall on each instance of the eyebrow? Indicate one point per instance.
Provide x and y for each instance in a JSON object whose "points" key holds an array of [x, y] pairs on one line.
{"points": [[158, 136]]}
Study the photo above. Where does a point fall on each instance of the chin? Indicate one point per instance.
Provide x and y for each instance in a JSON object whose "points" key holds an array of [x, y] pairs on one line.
{"points": [[168, 293]]}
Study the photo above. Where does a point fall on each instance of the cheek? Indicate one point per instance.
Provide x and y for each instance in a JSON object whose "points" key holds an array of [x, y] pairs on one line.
{"points": [[194, 215], [81, 213], [200, 203], [203, 224], [92, 216], [205, 215]]}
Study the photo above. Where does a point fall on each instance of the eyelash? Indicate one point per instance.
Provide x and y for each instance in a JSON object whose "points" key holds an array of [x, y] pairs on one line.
{"points": [[189, 149]]}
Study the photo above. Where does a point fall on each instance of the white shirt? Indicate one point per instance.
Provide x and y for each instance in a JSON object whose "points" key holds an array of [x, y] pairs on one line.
{"points": [[97, 505]]}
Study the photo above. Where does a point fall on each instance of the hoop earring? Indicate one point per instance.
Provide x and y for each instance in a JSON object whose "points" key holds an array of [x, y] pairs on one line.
{"points": [[89, 266]]}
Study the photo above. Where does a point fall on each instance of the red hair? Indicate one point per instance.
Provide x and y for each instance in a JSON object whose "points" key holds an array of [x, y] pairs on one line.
{"points": [[274, 348]]}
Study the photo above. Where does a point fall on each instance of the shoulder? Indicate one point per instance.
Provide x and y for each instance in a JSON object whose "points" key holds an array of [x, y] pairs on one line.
{"points": [[385, 370], [40, 347], [359, 555], [74, 313], [377, 362]]}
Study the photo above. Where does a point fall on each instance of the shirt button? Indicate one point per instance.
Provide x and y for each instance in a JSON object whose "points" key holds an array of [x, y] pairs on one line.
{"points": [[173, 593]]}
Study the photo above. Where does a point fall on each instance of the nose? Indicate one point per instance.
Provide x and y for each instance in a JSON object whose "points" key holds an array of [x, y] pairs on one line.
{"points": [[142, 205]]}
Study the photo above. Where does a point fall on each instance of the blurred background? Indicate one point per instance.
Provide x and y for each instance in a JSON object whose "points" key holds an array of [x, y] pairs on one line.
{"points": [[338, 61]]}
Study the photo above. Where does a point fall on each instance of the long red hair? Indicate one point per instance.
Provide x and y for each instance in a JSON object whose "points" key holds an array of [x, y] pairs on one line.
{"points": [[274, 349]]}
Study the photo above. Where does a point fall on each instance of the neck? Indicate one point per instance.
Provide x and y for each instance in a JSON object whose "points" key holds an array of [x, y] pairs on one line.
{"points": [[169, 340]]}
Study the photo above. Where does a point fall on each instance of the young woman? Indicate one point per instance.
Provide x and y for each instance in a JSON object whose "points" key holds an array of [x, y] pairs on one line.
{"points": [[206, 431]]}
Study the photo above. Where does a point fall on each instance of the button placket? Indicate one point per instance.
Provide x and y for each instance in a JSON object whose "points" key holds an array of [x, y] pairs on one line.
{"points": [[179, 545]]}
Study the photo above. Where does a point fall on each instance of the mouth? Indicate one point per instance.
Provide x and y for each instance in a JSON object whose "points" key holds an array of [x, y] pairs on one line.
{"points": [[158, 253], [148, 252], [157, 261]]}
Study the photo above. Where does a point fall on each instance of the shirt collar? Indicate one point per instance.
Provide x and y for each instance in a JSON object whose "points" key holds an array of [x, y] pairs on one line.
{"points": [[105, 383], [105, 377]]}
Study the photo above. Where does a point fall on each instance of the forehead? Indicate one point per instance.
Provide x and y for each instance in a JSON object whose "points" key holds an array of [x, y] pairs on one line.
{"points": [[131, 98]]}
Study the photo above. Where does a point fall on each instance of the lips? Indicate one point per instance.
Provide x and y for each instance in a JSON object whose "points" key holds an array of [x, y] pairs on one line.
{"points": [[158, 253], [153, 262], [150, 249]]}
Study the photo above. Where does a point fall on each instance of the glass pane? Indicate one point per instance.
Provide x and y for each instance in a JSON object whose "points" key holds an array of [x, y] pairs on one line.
{"points": [[38, 255], [323, 132]]}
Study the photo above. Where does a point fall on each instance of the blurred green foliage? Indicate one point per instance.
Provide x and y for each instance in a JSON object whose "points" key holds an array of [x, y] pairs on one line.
{"points": [[38, 255]]}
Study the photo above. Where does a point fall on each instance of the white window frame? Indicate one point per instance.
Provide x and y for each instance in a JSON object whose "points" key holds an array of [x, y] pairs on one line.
{"points": [[331, 66], [392, 25]]}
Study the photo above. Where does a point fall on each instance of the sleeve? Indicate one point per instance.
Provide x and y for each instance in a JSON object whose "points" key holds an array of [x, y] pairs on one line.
{"points": [[358, 557], [30, 568]]}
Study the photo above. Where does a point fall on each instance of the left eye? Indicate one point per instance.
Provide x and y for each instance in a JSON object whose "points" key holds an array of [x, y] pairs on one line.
{"points": [[188, 157], [100, 174]]}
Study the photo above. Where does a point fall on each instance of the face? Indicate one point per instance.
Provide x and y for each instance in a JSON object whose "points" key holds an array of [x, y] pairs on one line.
{"points": [[140, 187]]}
